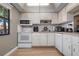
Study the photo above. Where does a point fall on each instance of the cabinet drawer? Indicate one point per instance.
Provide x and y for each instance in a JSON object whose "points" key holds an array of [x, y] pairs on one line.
{"points": [[25, 45], [75, 40]]}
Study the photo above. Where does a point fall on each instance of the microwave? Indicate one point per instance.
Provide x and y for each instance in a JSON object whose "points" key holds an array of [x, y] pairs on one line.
{"points": [[45, 21], [24, 21]]}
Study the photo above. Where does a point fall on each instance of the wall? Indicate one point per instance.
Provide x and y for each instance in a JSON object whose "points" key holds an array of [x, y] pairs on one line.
{"points": [[8, 42]]}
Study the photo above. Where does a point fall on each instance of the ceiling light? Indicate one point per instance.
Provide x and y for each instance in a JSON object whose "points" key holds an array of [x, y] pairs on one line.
{"points": [[37, 4], [33, 4], [44, 4]]}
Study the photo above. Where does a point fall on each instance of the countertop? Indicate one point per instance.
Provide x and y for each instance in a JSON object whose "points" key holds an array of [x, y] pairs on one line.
{"points": [[69, 33], [43, 32]]}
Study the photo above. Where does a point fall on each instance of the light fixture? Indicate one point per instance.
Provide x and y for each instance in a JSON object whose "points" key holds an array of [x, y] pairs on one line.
{"points": [[44, 4], [37, 4], [33, 4]]}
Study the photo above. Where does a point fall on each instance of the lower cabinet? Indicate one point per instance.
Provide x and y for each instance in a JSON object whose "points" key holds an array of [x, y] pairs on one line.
{"points": [[51, 39], [67, 45], [58, 42], [42, 39], [75, 50], [75, 45], [35, 39]]}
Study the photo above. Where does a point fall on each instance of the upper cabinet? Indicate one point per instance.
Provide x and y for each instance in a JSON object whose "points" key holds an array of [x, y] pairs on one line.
{"points": [[71, 6], [49, 16], [62, 15], [34, 17]]}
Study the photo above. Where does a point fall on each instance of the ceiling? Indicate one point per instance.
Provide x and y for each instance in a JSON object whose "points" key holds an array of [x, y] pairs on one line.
{"points": [[53, 7]]}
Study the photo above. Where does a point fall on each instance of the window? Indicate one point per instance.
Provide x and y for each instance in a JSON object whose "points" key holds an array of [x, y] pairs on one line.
{"points": [[4, 21]]}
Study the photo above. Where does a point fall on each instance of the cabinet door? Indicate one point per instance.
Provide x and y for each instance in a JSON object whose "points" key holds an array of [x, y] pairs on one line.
{"points": [[51, 39], [43, 39], [35, 39], [58, 42], [75, 40], [67, 45], [75, 50], [75, 45], [35, 21]]}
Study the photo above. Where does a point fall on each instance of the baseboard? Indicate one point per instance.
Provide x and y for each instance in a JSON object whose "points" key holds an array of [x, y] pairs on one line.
{"points": [[42, 46], [7, 54]]}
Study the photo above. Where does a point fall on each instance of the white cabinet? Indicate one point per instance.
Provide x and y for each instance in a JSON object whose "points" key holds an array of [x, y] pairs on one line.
{"points": [[62, 16], [58, 42], [51, 38], [35, 39], [35, 21], [43, 39], [39, 39], [71, 6], [75, 46], [59, 17], [75, 50], [33, 17], [67, 44], [75, 40]]}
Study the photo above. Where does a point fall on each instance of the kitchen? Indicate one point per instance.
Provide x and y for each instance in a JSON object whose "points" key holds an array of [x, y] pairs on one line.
{"points": [[51, 29], [51, 25]]}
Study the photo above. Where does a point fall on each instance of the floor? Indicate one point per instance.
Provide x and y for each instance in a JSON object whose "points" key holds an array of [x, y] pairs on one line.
{"points": [[36, 52]]}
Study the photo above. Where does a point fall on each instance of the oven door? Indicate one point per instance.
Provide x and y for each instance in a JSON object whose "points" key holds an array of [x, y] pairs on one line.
{"points": [[24, 37]]}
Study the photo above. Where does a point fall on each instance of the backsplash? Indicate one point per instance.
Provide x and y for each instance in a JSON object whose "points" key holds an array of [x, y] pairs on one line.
{"points": [[41, 28], [45, 28]]}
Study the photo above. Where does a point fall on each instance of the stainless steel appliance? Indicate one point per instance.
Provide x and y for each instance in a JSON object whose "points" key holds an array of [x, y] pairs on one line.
{"points": [[45, 21], [59, 29], [35, 28], [69, 30], [25, 22]]}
